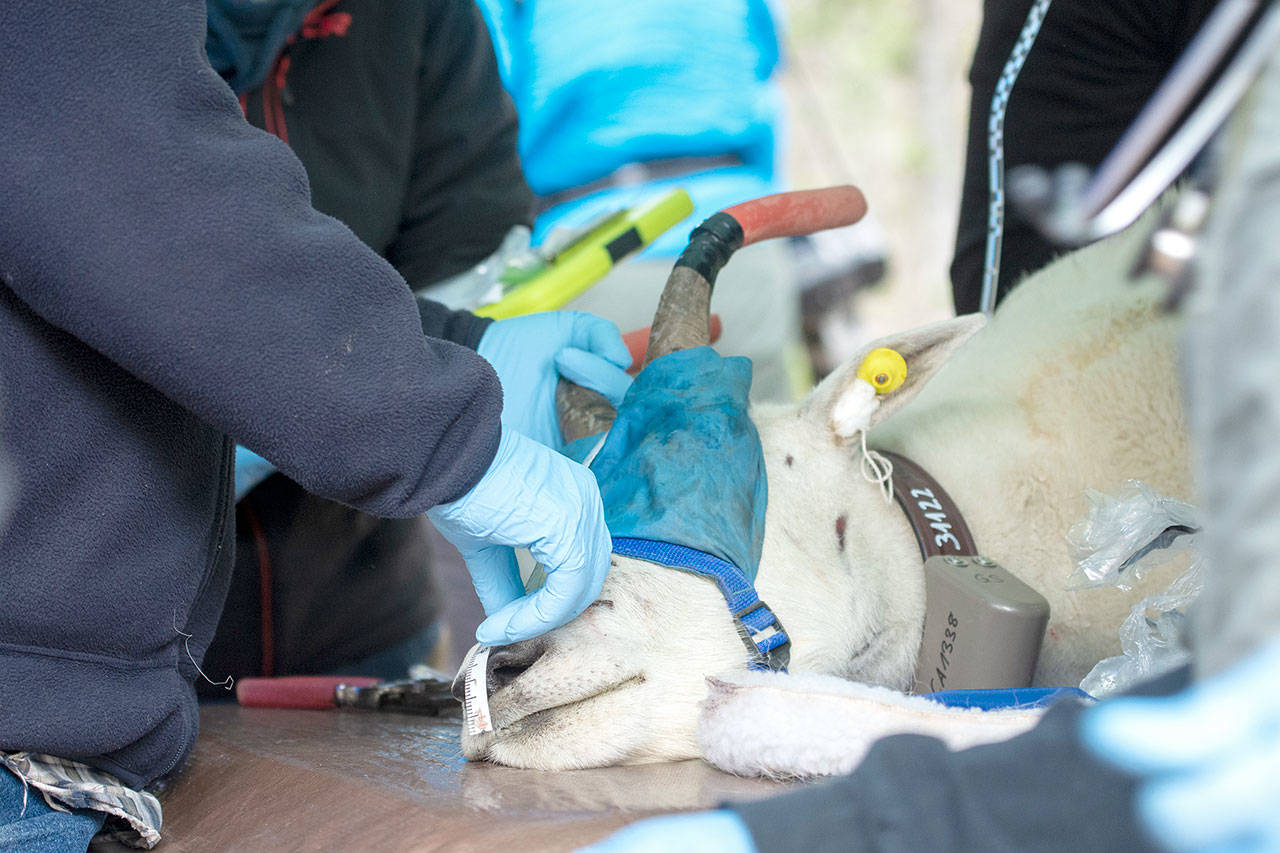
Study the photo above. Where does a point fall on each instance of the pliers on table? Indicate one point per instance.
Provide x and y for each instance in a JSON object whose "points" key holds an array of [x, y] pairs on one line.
{"points": [[428, 696]]}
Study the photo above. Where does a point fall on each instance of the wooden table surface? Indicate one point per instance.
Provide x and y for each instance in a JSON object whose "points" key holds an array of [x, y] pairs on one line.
{"points": [[324, 780]]}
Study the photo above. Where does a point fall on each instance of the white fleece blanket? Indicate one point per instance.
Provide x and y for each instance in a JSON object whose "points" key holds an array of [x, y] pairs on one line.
{"points": [[794, 726]]}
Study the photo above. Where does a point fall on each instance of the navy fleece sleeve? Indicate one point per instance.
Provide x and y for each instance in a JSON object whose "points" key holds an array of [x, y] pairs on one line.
{"points": [[142, 214]]}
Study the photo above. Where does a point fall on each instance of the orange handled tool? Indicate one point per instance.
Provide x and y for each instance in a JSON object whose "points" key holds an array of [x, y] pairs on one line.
{"points": [[682, 319], [430, 696], [296, 691]]}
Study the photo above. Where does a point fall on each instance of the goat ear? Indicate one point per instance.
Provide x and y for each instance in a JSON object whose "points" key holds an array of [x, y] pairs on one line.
{"points": [[925, 350]]}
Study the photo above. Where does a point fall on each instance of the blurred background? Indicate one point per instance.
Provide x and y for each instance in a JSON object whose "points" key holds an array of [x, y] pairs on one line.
{"points": [[735, 99], [876, 95]]}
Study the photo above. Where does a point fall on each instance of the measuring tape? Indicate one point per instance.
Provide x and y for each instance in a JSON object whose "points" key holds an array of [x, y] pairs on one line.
{"points": [[475, 692]]}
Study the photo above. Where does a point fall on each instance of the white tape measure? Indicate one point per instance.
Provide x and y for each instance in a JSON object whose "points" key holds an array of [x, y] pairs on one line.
{"points": [[475, 702]]}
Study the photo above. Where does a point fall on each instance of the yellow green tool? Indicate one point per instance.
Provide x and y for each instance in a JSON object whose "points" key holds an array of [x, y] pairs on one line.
{"points": [[588, 258]]}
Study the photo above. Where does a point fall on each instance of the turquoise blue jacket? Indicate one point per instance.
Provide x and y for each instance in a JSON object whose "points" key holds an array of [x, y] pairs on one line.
{"points": [[600, 85]]}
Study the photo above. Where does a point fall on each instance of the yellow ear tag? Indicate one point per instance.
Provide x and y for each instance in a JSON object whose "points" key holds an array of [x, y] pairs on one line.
{"points": [[883, 369]]}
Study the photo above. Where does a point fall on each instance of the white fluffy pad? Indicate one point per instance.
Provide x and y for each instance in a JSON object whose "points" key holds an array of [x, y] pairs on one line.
{"points": [[781, 725]]}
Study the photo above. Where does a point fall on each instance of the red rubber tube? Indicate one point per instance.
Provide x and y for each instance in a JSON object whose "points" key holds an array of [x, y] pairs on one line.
{"points": [[796, 213]]}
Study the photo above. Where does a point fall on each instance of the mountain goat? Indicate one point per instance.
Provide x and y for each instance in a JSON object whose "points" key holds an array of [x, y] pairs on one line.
{"points": [[1071, 386]]}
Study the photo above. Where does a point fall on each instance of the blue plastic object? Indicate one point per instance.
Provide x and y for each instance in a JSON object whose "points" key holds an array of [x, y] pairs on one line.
{"points": [[683, 462], [719, 831], [1008, 699]]}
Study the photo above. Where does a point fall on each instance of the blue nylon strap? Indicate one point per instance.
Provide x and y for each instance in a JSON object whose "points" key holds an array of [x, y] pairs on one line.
{"points": [[762, 630]]}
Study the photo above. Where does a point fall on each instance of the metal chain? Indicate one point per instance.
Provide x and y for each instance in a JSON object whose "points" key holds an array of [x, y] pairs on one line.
{"points": [[995, 150]]}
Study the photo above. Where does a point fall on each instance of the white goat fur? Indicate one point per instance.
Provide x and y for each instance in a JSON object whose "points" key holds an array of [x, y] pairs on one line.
{"points": [[1072, 386]]}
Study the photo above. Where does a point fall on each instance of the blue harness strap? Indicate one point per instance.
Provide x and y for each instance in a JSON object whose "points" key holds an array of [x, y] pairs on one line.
{"points": [[763, 634]]}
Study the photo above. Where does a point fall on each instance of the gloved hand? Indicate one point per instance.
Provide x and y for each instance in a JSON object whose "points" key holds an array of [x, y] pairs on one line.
{"points": [[531, 353], [530, 497], [719, 831], [1209, 757]]}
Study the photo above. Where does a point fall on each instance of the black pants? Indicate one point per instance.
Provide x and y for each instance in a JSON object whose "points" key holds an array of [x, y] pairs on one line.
{"points": [[338, 585]]}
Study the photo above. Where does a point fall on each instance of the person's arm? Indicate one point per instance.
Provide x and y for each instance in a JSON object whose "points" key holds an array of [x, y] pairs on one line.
{"points": [[1207, 756], [1043, 790], [140, 213], [467, 189], [461, 327]]}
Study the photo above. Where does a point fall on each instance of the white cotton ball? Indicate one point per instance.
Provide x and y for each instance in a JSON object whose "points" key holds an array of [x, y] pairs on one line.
{"points": [[852, 412]]}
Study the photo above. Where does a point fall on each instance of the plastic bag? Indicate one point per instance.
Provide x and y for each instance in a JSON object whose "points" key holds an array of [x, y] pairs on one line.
{"points": [[1120, 539], [1123, 536], [1151, 645], [483, 283]]}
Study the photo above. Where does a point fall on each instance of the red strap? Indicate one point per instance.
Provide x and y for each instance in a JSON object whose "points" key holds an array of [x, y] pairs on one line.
{"points": [[320, 22]]}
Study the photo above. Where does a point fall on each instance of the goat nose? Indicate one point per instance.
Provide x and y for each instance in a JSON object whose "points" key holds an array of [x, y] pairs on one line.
{"points": [[507, 663]]}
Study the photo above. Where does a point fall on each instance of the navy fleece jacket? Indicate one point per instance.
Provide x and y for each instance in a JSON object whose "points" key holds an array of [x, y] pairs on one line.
{"points": [[165, 286]]}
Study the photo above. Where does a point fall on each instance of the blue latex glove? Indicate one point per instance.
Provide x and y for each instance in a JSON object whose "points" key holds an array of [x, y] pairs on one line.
{"points": [[531, 353], [720, 831], [683, 462], [1210, 757], [535, 498], [251, 469]]}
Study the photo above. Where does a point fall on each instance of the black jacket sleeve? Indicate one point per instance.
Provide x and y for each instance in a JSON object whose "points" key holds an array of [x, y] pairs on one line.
{"points": [[467, 189], [461, 327], [140, 213], [1040, 791]]}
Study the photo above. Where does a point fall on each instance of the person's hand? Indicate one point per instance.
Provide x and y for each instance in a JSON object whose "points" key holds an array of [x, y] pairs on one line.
{"points": [[531, 353], [719, 831], [1209, 757], [535, 498]]}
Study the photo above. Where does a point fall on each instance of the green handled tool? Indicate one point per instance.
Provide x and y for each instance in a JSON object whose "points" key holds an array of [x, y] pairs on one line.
{"points": [[587, 258]]}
